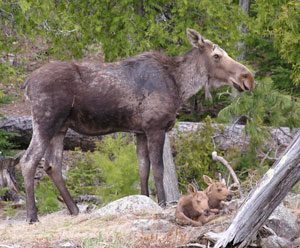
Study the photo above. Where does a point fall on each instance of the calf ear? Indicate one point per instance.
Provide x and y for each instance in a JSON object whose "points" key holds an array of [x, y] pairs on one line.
{"points": [[207, 180], [195, 39], [191, 188]]}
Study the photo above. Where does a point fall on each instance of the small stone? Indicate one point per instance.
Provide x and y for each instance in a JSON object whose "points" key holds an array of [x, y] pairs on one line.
{"points": [[275, 242], [152, 225]]}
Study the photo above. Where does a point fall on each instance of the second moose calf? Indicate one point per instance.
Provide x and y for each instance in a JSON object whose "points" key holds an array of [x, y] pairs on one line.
{"points": [[216, 193], [193, 208]]}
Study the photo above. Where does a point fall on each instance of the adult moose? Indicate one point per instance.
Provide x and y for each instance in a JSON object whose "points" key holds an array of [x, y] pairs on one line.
{"points": [[140, 94]]}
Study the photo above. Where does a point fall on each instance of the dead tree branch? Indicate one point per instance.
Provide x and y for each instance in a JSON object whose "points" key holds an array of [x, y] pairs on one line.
{"points": [[215, 157]]}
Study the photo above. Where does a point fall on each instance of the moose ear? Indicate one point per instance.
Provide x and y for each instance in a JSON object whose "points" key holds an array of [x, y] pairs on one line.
{"points": [[191, 188], [207, 180], [195, 38]]}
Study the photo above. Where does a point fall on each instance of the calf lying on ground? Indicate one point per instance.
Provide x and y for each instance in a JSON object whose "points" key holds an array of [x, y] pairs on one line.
{"points": [[216, 193], [193, 208]]}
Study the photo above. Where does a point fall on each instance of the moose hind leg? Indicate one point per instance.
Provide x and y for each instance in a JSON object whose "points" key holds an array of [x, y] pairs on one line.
{"points": [[29, 163], [53, 167], [144, 162], [156, 140]]}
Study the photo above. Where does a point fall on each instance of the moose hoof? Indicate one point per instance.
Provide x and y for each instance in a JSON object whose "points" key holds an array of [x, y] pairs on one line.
{"points": [[32, 220]]}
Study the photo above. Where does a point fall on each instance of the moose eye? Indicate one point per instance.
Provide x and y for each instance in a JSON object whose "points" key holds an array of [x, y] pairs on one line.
{"points": [[198, 201], [219, 190], [216, 57]]}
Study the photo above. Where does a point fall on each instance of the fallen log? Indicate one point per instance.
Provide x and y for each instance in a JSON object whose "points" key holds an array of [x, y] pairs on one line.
{"points": [[226, 135], [263, 199]]}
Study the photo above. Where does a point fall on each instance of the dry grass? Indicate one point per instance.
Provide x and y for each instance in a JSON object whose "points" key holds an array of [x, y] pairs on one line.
{"points": [[58, 229], [87, 230]]}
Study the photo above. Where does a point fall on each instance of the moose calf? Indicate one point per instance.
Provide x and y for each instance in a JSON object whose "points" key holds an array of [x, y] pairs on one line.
{"points": [[216, 192], [194, 207]]}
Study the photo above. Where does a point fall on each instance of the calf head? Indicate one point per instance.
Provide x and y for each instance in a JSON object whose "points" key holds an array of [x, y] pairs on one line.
{"points": [[217, 190], [199, 200], [221, 69]]}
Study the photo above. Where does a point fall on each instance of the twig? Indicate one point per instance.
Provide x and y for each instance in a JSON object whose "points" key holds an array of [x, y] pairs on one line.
{"points": [[192, 245], [232, 173], [265, 157], [285, 133]]}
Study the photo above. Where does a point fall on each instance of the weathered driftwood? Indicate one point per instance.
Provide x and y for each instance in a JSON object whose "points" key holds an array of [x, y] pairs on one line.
{"points": [[232, 135], [263, 199]]}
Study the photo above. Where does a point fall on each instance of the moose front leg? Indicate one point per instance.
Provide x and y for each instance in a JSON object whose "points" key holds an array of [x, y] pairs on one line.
{"points": [[156, 140], [144, 162]]}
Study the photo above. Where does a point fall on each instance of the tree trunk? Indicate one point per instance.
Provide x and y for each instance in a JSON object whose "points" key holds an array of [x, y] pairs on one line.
{"points": [[8, 177], [263, 199], [245, 6], [170, 176]]}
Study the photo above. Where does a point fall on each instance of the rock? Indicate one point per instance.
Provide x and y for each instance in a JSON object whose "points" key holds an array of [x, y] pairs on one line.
{"points": [[233, 205], [292, 201], [83, 208], [275, 242], [152, 225], [66, 244], [283, 222], [133, 204]]}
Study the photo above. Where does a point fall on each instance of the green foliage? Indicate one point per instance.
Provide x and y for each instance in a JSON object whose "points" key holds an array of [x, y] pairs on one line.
{"points": [[46, 195], [5, 144], [70, 28], [286, 35], [262, 108], [193, 155], [3, 191], [110, 171], [84, 176], [9, 211], [273, 42]]}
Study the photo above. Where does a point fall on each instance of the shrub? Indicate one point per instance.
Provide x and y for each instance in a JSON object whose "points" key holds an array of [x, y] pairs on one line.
{"points": [[111, 171], [261, 109], [46, 195], [193, 155]]}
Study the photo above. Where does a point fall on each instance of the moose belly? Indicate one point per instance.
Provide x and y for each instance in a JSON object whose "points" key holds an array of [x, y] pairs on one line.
{"points": [[104, 122]]}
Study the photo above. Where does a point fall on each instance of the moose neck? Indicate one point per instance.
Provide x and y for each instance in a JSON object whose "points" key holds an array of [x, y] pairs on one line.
{"points": [[191, 74]]}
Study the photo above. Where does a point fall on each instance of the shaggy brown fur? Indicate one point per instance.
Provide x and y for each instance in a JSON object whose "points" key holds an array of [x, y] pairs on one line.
{"points": [[216, 193]]}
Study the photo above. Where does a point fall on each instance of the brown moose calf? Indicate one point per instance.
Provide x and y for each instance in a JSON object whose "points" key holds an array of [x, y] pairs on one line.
{"points": [[216, 193], [193, 208]]}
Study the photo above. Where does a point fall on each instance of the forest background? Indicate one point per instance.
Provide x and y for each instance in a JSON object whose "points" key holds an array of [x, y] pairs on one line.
{"points": [[262, 34]]}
